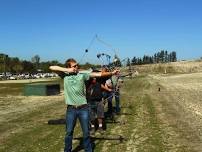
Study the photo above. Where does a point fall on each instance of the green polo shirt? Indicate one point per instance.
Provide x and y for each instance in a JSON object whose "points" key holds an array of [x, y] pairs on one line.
{"points": [[75, 89]]}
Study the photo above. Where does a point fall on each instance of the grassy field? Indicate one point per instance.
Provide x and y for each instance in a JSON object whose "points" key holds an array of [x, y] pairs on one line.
{"points": [[180, 67], [160, 113]]}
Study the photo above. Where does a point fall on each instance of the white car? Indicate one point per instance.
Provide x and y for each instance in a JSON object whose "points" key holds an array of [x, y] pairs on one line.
{"points": [[12, 78]]}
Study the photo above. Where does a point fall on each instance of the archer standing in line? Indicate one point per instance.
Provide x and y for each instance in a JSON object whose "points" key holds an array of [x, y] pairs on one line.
{"points": [[95, 100], [116, 83], [113, 85], [75, 98]]}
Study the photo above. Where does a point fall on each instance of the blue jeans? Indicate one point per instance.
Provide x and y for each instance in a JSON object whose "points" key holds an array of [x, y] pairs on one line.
{"points": [[71, 116], [117, 101], [109, 97]]}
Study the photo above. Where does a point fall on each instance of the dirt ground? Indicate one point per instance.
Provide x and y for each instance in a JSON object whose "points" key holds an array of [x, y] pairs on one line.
{"points": [[159, 113], [180, 108], [187, 88], [13, 108], [165, 116]]}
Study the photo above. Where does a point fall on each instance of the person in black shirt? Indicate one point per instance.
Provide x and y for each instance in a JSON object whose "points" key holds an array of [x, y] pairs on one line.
{"points": [[95, 100]]}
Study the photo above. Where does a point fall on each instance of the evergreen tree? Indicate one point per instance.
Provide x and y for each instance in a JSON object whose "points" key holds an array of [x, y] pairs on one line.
{"points": [[155, 58], [166, 56], [128, 62], [134, 61]]}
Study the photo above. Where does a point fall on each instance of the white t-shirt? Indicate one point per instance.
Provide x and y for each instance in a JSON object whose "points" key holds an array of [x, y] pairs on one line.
{"points": [[109, 82]]}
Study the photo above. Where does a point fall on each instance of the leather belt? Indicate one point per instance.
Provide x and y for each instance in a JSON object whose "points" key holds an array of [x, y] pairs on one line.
{"points": [[77, 107]]}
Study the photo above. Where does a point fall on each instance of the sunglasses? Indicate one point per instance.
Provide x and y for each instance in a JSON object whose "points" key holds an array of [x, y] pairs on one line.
{"points": [[74, 66]]}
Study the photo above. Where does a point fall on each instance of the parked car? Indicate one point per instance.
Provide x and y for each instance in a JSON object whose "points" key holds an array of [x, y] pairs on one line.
{"points": [[12, 77]]}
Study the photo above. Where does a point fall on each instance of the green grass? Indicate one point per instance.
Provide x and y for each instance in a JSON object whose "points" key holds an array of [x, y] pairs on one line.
{"points": [[138, 127], [29, 131], [148, 133], [33, 133]]}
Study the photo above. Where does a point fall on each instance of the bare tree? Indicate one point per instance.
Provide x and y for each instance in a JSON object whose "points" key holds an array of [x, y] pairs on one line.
{"points": [[36, 60]]}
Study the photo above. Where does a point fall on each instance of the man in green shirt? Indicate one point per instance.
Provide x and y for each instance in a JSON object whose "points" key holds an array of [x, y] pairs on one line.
{"points": [[75, 98]]}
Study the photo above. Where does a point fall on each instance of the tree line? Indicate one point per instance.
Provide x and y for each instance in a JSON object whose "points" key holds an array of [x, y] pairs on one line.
{"points": [[159, 57], [15, 65]]}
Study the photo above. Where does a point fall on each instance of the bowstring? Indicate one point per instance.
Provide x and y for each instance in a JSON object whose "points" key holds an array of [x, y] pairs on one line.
{"points": [[88, 48]]}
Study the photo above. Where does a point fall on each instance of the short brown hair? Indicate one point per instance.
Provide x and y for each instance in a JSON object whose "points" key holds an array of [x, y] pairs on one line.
{"points": [[69, 61]]}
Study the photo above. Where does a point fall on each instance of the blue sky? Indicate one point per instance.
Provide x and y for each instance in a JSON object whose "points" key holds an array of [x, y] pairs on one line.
{"points": [[59, 29]]}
